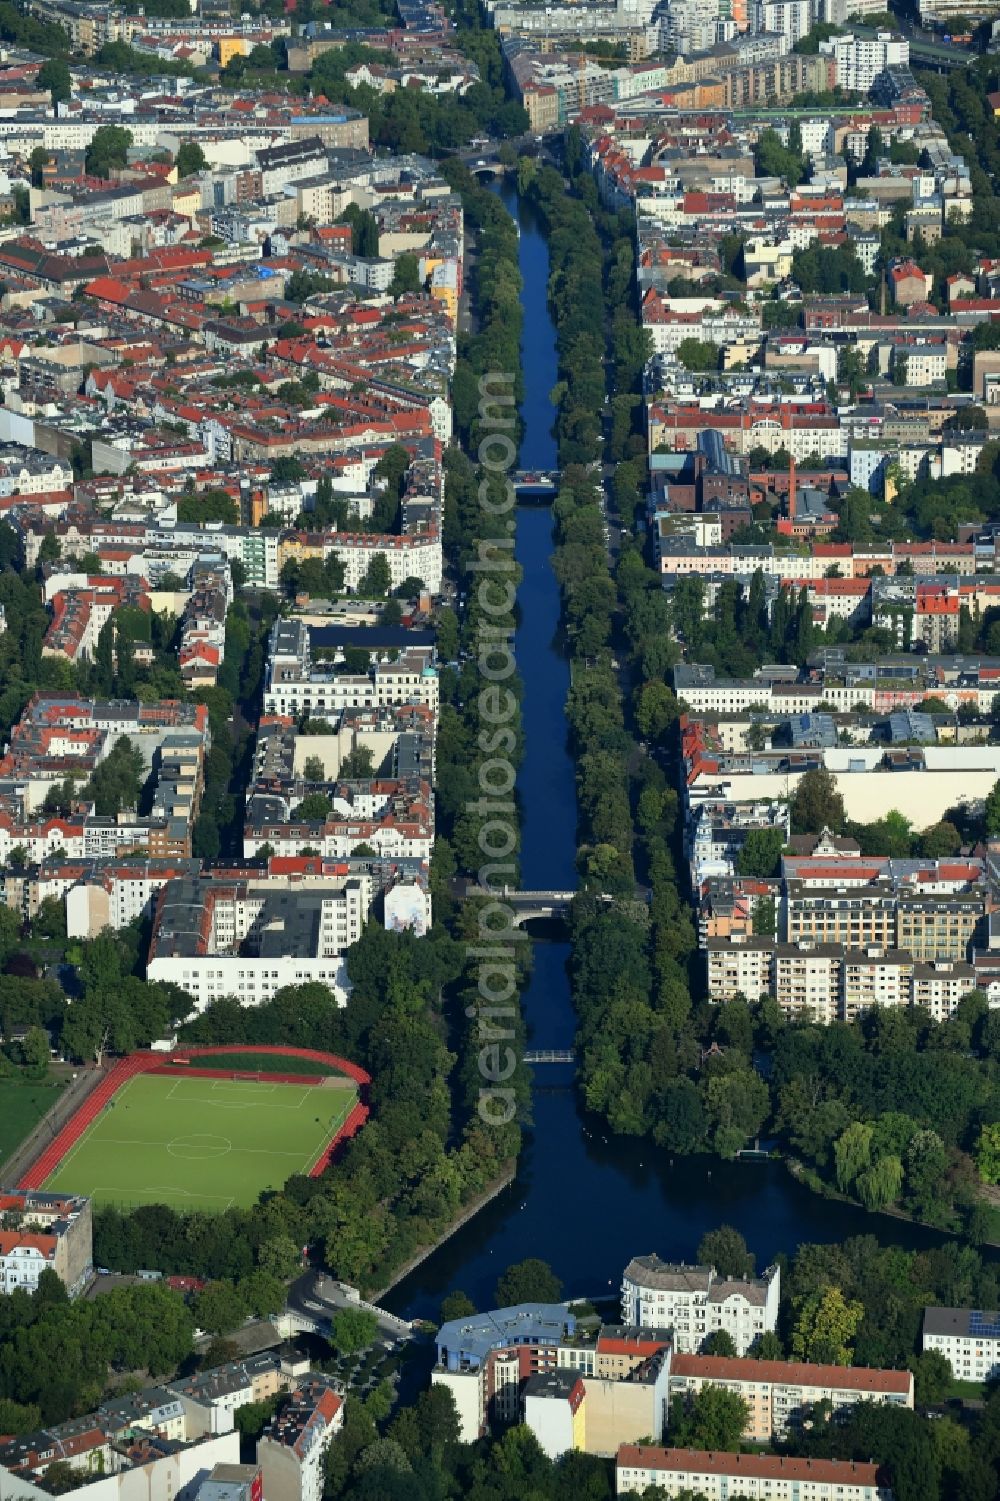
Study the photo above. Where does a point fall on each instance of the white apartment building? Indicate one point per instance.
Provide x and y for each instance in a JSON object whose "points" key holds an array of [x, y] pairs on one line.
{"points": [[789, 18], [808, 980], [291, 1450], [968, 1338], [688, 26], [210, 1399], [407, 556], [694, 1302], [755, 1477], [920, 364], [158, 1470], [43, 1230], [745, 968], [295, 687], [861, 59], [826, 982], [248, 940]]}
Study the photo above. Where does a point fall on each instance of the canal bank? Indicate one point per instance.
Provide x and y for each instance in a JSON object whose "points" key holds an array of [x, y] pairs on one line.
{"points": [[582, 1199]]}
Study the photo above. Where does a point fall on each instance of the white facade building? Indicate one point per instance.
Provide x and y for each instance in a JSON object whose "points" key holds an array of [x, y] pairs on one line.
{"points": [[861, 59], [694, 1302], [755, 1477], [291, 1449], [968, 1338], [296, 687], [248, 940], [789, 18]]}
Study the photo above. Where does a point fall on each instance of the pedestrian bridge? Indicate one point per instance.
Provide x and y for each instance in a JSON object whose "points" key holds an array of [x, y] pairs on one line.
{"points": [[550, 1055], [524, 905], [532, 904]]}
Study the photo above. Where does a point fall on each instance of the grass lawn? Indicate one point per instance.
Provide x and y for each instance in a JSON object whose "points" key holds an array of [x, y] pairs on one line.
{"points": [[202, 1143], [969, 1391], [22, 1106]]}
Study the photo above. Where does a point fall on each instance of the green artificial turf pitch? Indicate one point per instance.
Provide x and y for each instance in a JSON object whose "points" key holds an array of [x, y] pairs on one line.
{"points": [[201, 1143]]}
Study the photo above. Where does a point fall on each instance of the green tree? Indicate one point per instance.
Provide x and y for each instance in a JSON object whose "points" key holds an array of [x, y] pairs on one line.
{"points": [[190, 159], [314, 770], [760, 853], [38, 161], [108, 149], [816, 804], [377, 578], [354, 1329], [314, 808], [737, 1103], [219, 1308], [698, 354], [287, 470], [881, 1183], [825, 1325], [528, 1281], [719, 1342], [656, 710], [988, 1153], [280, 1256], [35, 1052], [991, 811], [456, 1305], [210, 505], [712, 1418], [726, 1250], [932, 1377], [940, 841], [54, 75], [405, 275], [765, 917], [116, 783], [358, 764], [852, 1154]]}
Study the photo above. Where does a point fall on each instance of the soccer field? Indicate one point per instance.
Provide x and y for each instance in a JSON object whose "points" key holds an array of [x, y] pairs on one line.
{"points": [[202, 1143]]}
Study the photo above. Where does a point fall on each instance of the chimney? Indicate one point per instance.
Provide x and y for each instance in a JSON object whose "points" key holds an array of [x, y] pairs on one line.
{"points": [[791, 490]]}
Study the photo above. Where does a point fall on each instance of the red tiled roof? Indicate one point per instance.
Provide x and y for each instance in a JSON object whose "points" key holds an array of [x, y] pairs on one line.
{"points": [[756, 1466], [791, 1373]]}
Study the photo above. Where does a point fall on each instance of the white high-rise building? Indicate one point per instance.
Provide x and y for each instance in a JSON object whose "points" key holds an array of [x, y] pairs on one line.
{"points": [[790, 18], [861, 59], [688, 26]]}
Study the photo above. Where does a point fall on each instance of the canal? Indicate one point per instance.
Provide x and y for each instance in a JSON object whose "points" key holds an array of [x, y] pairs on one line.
{"points": [[583, 1200]]}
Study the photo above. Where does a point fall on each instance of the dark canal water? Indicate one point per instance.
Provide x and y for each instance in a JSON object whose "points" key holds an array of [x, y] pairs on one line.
{"points": [[583, 1200]]}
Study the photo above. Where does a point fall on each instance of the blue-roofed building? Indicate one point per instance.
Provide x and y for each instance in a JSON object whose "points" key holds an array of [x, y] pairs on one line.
{"points": [[465, 1343], [909, 726], [812, 731]]}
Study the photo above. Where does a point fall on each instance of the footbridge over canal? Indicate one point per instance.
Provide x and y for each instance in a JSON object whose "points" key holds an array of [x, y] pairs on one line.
{"points": [[525, 905]]}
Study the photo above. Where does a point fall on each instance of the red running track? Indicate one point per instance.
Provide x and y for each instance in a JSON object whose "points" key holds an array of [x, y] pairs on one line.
{"points": [[170, 1063]]}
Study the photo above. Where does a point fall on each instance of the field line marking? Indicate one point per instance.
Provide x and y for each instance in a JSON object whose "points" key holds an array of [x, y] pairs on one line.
{"points": [[122, 1195], [86, 1134]]}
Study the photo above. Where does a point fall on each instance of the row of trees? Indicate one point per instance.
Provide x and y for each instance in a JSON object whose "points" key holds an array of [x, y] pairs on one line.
{"points": [[58, 1358], [628, 965], [218, 829]]}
